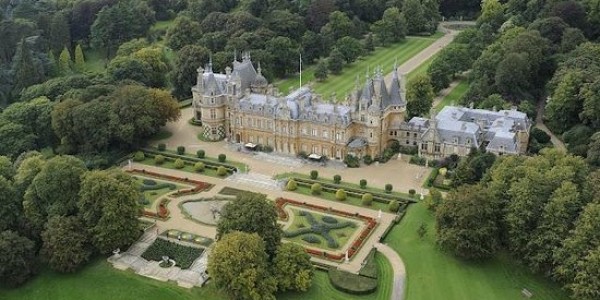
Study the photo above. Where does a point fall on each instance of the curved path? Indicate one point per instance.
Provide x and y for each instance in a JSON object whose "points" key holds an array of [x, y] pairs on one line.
{"points": [[399, 282], [539, 123]]}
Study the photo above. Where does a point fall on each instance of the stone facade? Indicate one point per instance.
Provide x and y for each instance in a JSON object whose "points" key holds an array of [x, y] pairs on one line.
{"points": [[242, 107]]}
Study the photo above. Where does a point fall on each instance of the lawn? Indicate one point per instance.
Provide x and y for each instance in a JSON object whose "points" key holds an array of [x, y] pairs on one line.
{"points": [[433, 274], [454, 96], [341, 236], [100, 281], [422, 69], [343, 83]]}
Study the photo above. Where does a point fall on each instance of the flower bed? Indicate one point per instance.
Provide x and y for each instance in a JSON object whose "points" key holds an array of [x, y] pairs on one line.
{"points": [[370, 223]]}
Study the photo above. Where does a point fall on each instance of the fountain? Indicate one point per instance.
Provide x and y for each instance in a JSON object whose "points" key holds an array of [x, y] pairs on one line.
{"points": [[166, 262]]}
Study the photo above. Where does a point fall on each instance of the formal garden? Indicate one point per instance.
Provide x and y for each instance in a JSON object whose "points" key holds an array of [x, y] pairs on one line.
{"points": [[171, 253], [153, 189], [325, 232], [358, 194]]}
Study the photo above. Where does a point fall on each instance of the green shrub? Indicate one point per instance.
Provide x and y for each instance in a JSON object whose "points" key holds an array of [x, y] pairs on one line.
{"points": [[314, 174], [363, 184], [162, 147], [329, 220], [181, 150], [443, 171], [367, 159], [267, 149], [367, 199], [352, 283], [311, 238], [139, 156], [149, 182], [199, 166], [159, 159], [302, 154], [340, 195], [184, 256], [222, 157], [179, 163], [393, 206], [221, 171], [316, 188], [412, 192], [388, 188], [351, 161], [291, 185], [200, 153], [337, 179]]}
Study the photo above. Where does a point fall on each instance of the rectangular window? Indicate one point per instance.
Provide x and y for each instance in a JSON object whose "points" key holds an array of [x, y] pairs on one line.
{"points": [[424, 147], [437, 148], [337, 136], [314, 132], [304, 130], [407, 134], [259, 123], [213, 114], [415, 135], [325, 134]]}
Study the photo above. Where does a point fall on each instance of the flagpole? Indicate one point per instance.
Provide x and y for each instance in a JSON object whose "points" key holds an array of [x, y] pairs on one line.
{"points": [[300, 69]]}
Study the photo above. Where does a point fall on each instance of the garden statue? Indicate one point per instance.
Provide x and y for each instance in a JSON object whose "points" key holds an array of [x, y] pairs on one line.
{"points": [[347, 259]]}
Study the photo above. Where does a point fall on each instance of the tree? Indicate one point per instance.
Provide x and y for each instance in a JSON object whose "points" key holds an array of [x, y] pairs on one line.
{"points": [[586, 284], [285, 55], [321, 70], [415, 20], [466, 223], [15, 139], [119, 23], [27, 71], [391, 28], [54, 190], [369, 44], [419, 93], [335, 62], [431, 13], [292, 268], [109, 209], [350, 48], [30, 165], [251, 213], [312, 46], [562, 111], [242, 274], [593, 152], [18, 262], [339, 26], [79, 59], [9, 205], [318, 12], [286, 23], [65, 244], [64, 62], [59, 35], [183, 32], [492, 13]]}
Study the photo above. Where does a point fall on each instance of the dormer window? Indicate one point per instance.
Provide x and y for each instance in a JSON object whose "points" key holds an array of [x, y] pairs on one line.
{"points": [[468, 141], [456, 140]]}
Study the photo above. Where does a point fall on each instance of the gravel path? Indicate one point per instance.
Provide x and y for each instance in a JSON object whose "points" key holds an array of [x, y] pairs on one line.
{"points": [[399, 270], [539, 123]]}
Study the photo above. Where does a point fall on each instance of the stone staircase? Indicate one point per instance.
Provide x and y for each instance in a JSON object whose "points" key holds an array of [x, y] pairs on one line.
{"points": [[257, 180]]}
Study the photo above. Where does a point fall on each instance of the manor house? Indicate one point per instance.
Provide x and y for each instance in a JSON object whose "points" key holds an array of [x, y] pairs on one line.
{"points": [[242, 107]]}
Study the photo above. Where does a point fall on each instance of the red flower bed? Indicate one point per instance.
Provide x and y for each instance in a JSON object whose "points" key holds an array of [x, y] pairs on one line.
{"points": [[370, 226]]}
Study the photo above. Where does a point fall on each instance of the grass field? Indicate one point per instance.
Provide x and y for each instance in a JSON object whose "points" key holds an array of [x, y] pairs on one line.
{"points": [[422, 69], [100, 281], [433, 274], [343, 83], [454, 96]]}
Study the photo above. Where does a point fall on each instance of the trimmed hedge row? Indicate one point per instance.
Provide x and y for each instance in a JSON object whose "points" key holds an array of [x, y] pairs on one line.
{"points": [[352, 283], [159, 186], [355, 192], [191, 160]]}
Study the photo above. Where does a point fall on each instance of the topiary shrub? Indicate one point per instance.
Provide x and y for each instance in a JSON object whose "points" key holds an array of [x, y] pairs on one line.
{"points": [[162, 147], [221, 171], [367, 199], [149, 182], [367, 159], [316, 188], [329, 220], [337, 179], [139, 156], [314, 174], [340, 195], [180, 150], [363, 183], [393, 206], [311, 238], [199, 167], [388, 188], [222, 157], [443, 171], [412, 192], [200, 153], [159, 159], [291, 185], [179, 163]]}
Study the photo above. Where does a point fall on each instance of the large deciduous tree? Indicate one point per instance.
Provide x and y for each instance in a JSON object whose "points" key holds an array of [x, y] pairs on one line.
{"points": [[18, 262], [251, 213], [184, 73], [419, 93], [183, 32], [108, 206], [65, 244], [292, 268], [238, 264], [467, 223], [392, 26]]}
